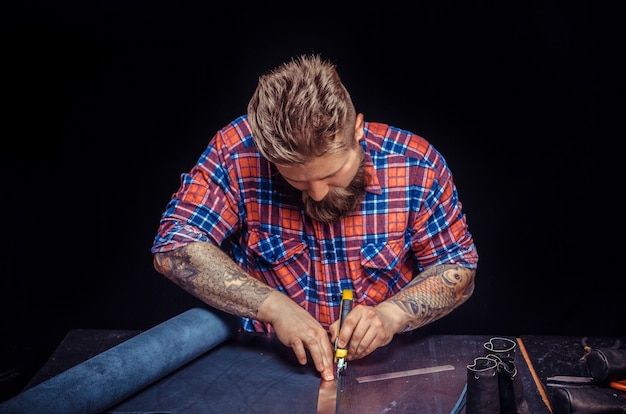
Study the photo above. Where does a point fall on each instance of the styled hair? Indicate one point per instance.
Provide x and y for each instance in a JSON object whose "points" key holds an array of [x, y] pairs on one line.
{"points": [[301, 111]]}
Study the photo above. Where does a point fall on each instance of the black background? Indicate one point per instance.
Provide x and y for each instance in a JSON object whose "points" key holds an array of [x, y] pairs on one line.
{"points": [[107, 103]]}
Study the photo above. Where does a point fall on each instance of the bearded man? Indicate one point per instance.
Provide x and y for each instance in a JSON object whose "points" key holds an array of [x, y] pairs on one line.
{"points": [[302, 198]]}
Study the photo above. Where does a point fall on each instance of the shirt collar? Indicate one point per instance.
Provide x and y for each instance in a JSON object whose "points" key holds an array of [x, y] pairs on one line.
{"points": [[372, 183]]}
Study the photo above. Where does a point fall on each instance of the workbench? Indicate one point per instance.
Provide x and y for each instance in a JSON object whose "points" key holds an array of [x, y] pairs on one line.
{"points": [[255, 373]]}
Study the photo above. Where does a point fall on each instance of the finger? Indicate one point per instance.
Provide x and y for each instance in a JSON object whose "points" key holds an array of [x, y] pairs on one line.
{"points": [[298, 348], [345, 335], [374, 337], [328, 374], [351, 330], [333, 331], [365, 334], [322, 355], [365, 346]]}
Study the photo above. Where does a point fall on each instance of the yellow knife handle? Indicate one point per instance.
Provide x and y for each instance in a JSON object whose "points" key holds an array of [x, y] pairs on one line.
{"points": [[346, 307]]}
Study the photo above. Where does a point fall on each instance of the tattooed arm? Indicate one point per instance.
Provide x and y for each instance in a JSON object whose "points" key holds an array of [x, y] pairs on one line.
{"points": [[431, 295], [205, 271]]}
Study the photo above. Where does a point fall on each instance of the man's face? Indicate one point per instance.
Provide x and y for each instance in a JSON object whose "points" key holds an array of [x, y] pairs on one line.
{"points": [[332, 185]]}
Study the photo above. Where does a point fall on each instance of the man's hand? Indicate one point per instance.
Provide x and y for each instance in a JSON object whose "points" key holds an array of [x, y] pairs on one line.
{"points": [[297, 329], [366, 328], [431, 295], [204, 270]]}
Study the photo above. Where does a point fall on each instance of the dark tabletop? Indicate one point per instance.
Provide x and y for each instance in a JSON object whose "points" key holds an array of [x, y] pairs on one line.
{"points": [[255, 373]]}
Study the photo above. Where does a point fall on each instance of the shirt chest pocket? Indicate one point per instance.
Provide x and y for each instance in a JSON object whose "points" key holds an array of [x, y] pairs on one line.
{"points": [[384, 258], [272, 251]]}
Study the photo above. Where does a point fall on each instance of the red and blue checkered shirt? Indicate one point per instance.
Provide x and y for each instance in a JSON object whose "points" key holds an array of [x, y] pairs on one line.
{"points": [[410, 219]]}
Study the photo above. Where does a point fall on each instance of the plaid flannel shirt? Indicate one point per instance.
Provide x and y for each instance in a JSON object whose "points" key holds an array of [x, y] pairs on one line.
{"points": [[410, 219]]}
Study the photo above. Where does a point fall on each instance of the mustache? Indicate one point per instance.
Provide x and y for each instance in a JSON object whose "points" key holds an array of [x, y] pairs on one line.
{"points": [[339, 201]]}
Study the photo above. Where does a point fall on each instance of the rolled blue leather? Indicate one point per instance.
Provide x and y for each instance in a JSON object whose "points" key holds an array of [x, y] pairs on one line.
{"points": [[117, 373]]}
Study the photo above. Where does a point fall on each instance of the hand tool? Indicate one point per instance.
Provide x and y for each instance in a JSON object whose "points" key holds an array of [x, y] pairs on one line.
{"points": [[565, 380], [327, 400], [618, 385], [341, 354]]}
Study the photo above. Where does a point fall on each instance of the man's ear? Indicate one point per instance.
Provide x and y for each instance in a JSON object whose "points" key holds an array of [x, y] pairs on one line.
{"points": [[358, 127]]}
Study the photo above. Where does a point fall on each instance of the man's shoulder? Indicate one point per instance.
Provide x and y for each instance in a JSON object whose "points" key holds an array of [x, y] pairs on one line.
{"points": [[382, 137], [235, 135]]}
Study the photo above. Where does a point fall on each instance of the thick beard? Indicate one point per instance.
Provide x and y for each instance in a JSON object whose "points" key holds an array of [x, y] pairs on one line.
{"points": [[339, 201]]}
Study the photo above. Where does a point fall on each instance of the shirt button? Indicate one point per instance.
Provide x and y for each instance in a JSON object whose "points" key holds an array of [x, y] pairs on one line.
{"points": [[334, 298]]}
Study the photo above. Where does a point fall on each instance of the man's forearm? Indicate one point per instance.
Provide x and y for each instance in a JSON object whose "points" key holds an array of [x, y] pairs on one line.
{"points": [[432, 294], [209, 274]]}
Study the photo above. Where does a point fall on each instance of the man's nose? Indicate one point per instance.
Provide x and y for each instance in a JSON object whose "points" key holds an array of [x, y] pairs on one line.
{"points": [[317, 190]]}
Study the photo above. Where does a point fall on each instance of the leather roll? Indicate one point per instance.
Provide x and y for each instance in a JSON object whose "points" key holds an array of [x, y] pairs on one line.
{"points": [[607, 364], [108, 378], [588, 400]]}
